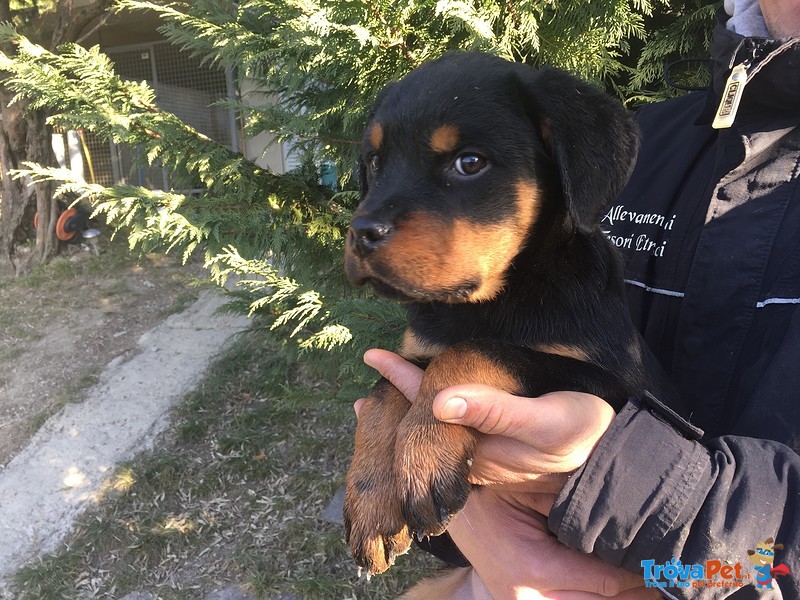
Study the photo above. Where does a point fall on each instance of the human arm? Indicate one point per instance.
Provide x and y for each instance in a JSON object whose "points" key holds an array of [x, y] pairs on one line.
{"points": [[647, 492], [501, 530], [651, 493]]}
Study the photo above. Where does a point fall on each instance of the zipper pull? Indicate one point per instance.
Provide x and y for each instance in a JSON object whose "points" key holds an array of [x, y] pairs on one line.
{"points": [[732, 94]]}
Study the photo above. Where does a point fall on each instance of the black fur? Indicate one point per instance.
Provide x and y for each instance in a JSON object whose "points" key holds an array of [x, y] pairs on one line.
{"points": [[565, 287], [503, 260]]}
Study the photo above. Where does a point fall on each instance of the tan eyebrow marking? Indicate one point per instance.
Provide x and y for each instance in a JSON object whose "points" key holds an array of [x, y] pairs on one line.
{"points": [[376, 135], [444, 138]]}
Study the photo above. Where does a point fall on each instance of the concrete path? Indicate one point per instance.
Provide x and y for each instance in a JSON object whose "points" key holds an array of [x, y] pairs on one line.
{"points": [[63, 468]]}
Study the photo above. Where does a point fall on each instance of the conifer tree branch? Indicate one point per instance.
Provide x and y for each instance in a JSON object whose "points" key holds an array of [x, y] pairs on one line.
{"points": [[313, 68]]}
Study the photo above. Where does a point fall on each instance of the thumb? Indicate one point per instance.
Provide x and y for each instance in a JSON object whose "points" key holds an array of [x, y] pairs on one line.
{"points": [[405, 376], [554, 422], [486, 409]]}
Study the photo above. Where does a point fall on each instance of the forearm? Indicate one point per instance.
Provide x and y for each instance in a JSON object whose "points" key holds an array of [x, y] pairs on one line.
{"points": [[650, 493]]}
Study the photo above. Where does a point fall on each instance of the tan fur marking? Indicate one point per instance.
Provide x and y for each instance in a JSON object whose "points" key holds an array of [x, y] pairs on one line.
{"points": [[371, 503], [414, 348], [376, 135], [564, 350], [458, 365], [429, 450], [503, 242], [444, 139], [434, 254]]}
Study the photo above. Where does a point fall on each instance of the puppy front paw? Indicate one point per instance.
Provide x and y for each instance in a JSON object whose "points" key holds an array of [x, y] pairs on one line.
{"points": [[374, 527], [432, 464]]}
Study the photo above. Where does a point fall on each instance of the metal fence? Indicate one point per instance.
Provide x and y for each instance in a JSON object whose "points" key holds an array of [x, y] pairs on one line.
{"points": [[184, 87]]}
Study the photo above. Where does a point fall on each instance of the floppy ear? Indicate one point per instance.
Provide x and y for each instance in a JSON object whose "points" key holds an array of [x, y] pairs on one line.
{"points": [[591, 137]]}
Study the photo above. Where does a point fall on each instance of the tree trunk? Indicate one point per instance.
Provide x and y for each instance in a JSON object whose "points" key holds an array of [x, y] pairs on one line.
{"points": [[73, 17], [25, 136], [40, 150]]}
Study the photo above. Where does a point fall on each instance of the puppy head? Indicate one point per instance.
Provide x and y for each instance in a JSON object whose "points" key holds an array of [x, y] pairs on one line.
{"points": [[462, 158]]}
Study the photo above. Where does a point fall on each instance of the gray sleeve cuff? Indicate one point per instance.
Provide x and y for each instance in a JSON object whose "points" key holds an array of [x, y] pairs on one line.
{"points": [[639, 482]]}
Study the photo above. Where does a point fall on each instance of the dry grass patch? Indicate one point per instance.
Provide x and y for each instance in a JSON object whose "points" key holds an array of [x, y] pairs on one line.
{"points": [[60, 324], [233, 494]]}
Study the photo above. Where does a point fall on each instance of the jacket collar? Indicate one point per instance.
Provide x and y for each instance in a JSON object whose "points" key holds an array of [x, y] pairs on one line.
{"points": [[772, 92]]}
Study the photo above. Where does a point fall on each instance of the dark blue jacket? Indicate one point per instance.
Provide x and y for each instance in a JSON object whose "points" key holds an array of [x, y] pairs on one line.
{"points": [[710, 228]]}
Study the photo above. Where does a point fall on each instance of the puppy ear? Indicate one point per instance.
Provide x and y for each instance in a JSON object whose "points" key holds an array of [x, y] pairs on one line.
{"points": [[591, 137]]}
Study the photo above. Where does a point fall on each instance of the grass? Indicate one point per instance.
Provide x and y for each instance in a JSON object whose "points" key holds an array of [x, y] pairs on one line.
{"points": [[71, 391], [232, 494], [65, 319], [182, 302], [26, 302]]}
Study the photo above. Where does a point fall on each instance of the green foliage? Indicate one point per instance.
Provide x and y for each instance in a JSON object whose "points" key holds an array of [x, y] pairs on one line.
{"points": [[310, 69], [683, 35]]}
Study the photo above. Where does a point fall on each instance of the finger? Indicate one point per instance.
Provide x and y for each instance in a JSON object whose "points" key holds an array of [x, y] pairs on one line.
{"points": [[554, 422], [587, 577], [358, 404], [639, 593], [540, 502], [491, 527], [525, 470], [405, 376], [520, 496], [489, 410]]}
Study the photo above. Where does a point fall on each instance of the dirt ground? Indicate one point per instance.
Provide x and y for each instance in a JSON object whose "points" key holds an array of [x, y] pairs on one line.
{"points": [[63, 323], [231, 496]]}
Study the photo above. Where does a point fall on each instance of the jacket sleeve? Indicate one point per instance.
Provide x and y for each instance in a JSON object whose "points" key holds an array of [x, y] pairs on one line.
{"points": [[653, 492]]}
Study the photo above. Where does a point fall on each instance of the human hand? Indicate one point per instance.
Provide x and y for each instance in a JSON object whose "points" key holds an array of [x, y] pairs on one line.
{"points": [[531, 447], [513, 555], [531, 444]]}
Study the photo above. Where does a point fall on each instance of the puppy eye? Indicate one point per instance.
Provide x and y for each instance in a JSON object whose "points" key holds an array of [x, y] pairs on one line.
{"points": [[470, 164], [374, 162]]}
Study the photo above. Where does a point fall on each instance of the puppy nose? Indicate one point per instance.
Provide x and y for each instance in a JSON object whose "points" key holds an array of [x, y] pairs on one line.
{"points": [[370, 233]]}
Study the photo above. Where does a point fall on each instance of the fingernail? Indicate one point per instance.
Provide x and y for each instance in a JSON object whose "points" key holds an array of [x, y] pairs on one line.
{"points": [[454, 409]]}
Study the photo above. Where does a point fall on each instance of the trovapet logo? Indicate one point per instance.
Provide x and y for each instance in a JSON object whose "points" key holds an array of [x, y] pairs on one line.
{"points": [[712, 573], [715, 573]]}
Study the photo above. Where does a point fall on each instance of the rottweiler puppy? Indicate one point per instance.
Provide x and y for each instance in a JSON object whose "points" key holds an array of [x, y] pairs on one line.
{"points": [[482, 185]]}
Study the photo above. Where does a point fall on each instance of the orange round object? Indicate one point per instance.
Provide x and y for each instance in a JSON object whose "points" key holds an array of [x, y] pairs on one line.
{"points": [[62, 231], [36, 221]]}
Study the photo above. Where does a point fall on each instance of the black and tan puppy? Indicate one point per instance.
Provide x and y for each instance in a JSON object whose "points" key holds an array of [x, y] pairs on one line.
{"points": [[482, 185]]}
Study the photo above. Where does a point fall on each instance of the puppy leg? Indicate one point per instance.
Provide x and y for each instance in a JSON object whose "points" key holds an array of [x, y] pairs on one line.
{"points": [[433, 459], [374, 527]]}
